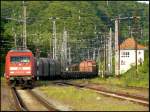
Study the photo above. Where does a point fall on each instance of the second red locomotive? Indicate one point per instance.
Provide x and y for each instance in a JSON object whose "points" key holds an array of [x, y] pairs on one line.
{"points": [[85, 69]]}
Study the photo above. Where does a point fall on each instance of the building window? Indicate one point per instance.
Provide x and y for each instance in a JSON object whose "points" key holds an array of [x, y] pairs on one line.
{"points": [[122, 62], [125, 54], [139, 52]]}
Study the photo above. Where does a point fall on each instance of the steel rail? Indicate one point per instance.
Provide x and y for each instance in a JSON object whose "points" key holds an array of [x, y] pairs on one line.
{"points": [[141, 101], [19, 103], [21, 106], [43, 101]]}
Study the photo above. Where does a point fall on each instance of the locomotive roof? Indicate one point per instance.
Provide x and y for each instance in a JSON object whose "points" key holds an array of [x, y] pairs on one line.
{"points": [[20, 50]]}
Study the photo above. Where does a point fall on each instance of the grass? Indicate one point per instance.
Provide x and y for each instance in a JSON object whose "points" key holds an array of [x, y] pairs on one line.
{"points": [[86, 99], [130, 78], [115, 85], [2, 78]]}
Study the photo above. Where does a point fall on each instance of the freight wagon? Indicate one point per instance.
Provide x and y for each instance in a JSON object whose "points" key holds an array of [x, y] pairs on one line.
{"points": [[47, 68]]}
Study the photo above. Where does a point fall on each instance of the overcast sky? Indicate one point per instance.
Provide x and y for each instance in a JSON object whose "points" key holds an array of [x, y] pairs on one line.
{"points": [[147, 2]]}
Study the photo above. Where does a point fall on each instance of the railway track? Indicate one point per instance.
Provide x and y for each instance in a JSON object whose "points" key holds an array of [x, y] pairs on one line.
{"points": [[131, 87], [27, 100], [18, 101], [139, 100]]}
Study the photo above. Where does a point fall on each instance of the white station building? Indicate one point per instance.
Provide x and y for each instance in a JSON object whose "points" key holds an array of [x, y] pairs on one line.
{"points": [[127, 54]]}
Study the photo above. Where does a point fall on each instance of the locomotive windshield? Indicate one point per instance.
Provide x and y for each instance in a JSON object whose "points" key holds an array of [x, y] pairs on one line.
{"points": [[24, 59]]}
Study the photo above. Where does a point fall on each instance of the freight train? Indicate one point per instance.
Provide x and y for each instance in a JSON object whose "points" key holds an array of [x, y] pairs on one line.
{"points": [[51, 69], [23, 68]]}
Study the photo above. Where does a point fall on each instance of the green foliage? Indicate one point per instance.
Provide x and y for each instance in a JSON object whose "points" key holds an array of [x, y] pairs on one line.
{"points": [[91, 13], [141, 79]]}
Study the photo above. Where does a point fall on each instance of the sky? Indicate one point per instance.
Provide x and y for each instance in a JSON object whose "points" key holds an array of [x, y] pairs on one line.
{"points": [[147, 2]]}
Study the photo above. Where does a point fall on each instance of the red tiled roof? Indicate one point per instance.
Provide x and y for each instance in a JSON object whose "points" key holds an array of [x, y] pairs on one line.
{"points": [[129, 43]]}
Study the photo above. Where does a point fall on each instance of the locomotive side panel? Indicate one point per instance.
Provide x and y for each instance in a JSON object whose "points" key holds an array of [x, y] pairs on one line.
{"points": [[7, 68], [46, 67], [58, 68], [87, 66]]}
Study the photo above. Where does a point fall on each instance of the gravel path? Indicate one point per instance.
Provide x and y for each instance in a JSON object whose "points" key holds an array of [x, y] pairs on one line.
{"points": [[31, 102], [7, 101], [53, 102]]}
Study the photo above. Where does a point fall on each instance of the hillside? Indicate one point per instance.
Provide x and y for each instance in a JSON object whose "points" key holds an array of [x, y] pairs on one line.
{"points": [[80, 18]]}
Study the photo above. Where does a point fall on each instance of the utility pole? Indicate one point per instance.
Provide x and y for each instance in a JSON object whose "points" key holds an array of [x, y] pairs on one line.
{"points": [[110, 51], [88, 54], [129, 31], [105, 53], [15, 40], [59, 45], [94, 54], [54, 39], [69, 56], [107, 2], [116, 48], [50, 45], [136, 54], [79, 17], [64, 50], [100, 56], [141, 33], [24, 26], [99, 59], [136, 31], [65, 44]]}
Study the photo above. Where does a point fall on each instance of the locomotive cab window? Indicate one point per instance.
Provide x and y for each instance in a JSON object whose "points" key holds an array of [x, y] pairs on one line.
{"points": [[24, 59]]}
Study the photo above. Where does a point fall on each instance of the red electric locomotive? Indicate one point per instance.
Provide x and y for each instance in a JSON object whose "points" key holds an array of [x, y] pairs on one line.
{"points": [[20, 66]]}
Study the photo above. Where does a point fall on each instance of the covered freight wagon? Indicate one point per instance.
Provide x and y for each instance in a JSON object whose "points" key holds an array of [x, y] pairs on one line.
{"points": [[48, 68]]}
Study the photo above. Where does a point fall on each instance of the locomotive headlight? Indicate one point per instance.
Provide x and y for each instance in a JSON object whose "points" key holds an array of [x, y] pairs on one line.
{"points": [[13, 68], [28, 72], [11, 72], [29, 78], [26, 68]]}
